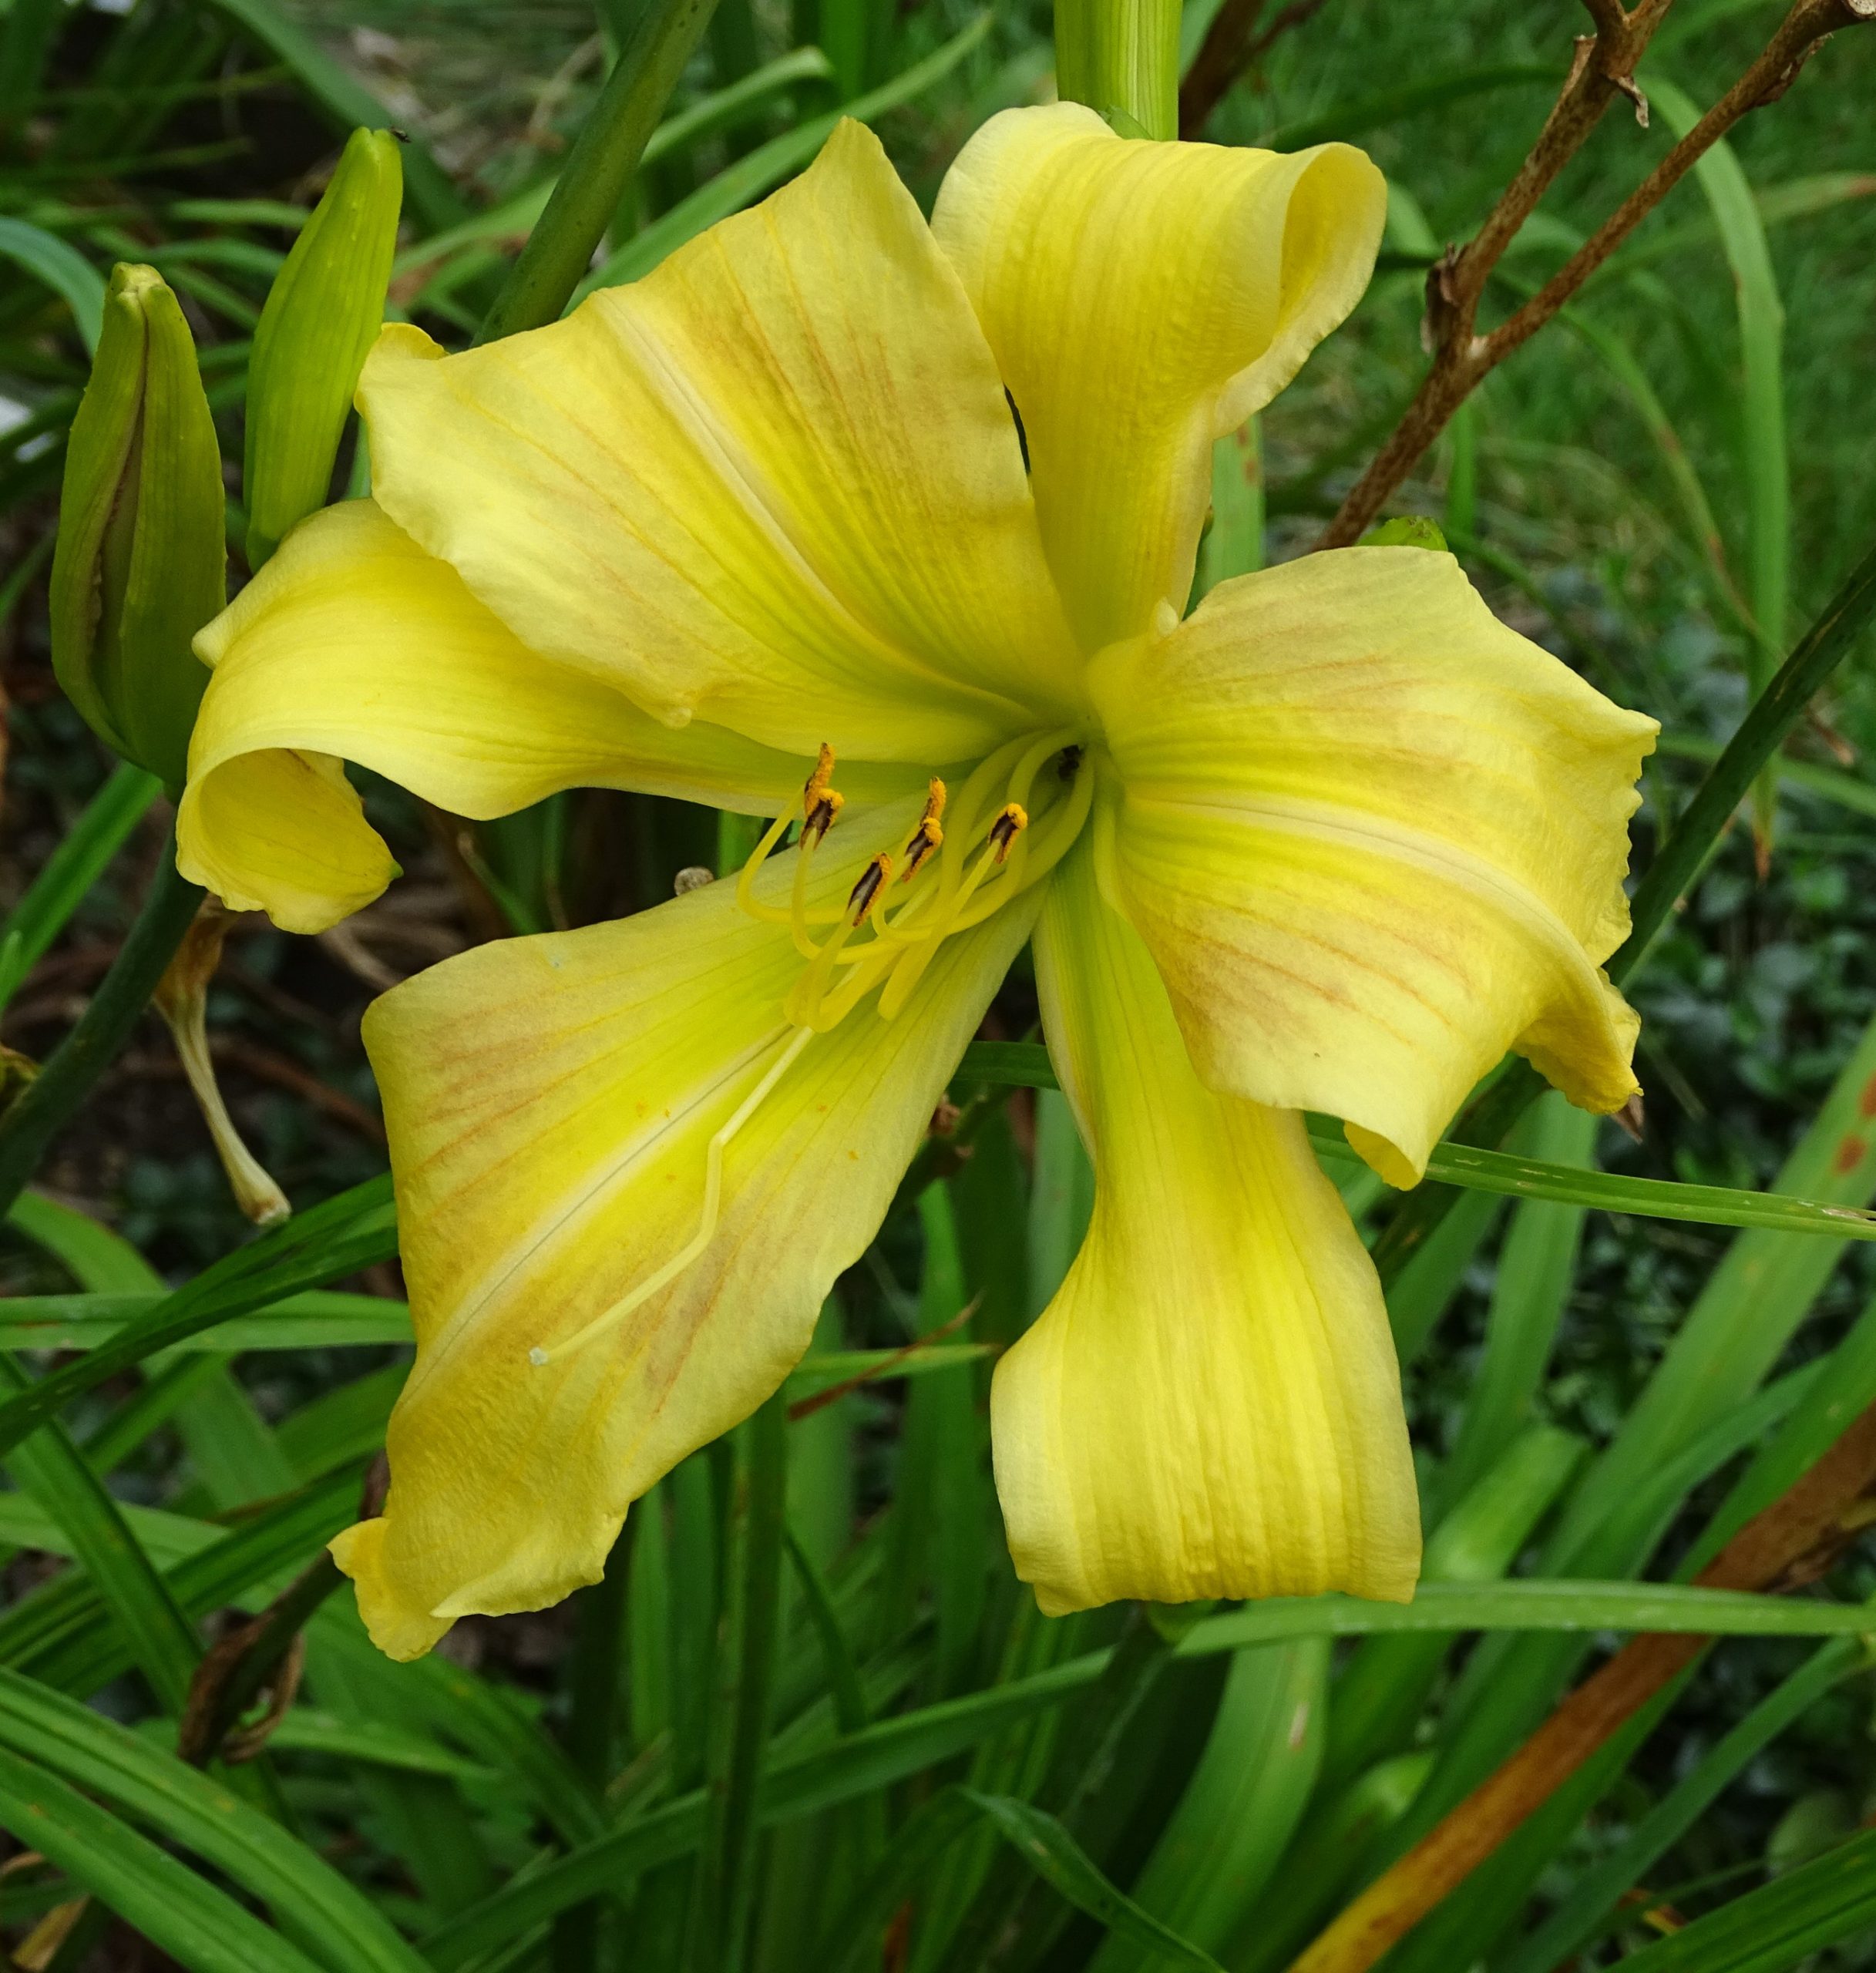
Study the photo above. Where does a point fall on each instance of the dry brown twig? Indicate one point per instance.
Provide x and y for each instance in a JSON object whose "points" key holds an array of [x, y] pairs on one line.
{"points": [[1791, 1544], [1603, 69]]}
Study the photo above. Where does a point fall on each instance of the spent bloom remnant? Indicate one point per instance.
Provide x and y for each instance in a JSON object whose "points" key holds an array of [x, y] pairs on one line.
{"points": [[761, 531]]}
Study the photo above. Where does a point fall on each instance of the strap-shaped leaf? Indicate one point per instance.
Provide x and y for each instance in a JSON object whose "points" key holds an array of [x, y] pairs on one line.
{"points": [[310, 1898], [1026, 1065], [182, 1913]]}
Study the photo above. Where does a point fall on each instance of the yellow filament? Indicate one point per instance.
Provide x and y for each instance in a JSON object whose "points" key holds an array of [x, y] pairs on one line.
{"points": [[745, 883], [707, 1226]]}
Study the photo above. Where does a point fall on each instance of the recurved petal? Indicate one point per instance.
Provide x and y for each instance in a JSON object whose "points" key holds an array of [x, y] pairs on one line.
{"points": [[1143, 299], [549, 1102], [776, 484], [353, 643], [1210, 1407], [1374, 839]]}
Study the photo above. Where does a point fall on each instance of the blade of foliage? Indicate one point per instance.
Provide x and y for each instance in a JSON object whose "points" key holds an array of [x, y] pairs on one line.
{"points": [[356, 1229], [56, 1635], [1582, 1914], [601, 168], [1778, 707], [741, 183], [47, 1465], [34, 1116], [1537, 1265], [1375, 112], [347, 101], [894, 1749], [1777, 1926], [1212, 1862], [62, 268], [177, 1911], [724, 1882], [321, 1910], [721, 110], [1062, 1864], [1766, 478], [1026, 1064]]}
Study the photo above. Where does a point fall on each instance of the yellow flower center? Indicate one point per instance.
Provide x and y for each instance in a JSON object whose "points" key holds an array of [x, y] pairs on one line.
{"points": [[953, 879]]}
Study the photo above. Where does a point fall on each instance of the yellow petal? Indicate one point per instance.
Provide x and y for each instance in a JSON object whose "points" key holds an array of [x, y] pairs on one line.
{"points": [[1210, 1407], [776, 484], [550, 1101], [354, 642], [1374, 839], [1143, 299]]}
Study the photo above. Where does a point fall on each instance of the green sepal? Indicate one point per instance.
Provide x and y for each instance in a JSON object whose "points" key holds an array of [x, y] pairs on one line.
{"points": [[141, 561], [1406, 531], [322, 315]]}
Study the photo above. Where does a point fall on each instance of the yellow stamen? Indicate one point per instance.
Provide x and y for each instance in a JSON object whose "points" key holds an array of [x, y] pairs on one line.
{"points": [[1012, 820], [817, 783], [745, 882], [873, 879], [707, 1226]]}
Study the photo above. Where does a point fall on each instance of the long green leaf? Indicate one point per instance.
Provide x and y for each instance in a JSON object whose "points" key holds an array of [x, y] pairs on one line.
{"points": [[1413, 99], [894, 1749], [1061, 1862], [346, 101], [765, 168], [1576, 1920], [320, 1909], [1025, 1064], [47, 1465], [1767, 488], [178, 1911], [1774, 1929], [356, 1229], [62, 268]]}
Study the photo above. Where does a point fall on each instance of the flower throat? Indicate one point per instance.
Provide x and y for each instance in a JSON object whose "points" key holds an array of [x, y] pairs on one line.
{"points": [[953, 879]]}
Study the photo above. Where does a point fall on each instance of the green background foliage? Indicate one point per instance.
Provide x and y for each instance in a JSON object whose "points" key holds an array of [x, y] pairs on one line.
{"points": [[809, 1720]]}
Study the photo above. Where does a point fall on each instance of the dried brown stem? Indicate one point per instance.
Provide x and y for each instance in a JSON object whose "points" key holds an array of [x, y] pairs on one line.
{"points": [[1603, 69], [1232, 44], [1791, 1544]]}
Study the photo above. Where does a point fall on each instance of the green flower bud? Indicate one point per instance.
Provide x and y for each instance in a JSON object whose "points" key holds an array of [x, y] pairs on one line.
{"points": [[322, 315], [142, 558]]}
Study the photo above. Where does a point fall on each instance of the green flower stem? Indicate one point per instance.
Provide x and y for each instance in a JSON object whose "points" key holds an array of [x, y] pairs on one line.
{"points": [[1676, 866], [601, 167], [48, 1103], [1121, 57]]}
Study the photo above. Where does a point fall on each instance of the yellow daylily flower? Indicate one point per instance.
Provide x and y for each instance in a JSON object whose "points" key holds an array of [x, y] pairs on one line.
{"points": [[762, 530]]}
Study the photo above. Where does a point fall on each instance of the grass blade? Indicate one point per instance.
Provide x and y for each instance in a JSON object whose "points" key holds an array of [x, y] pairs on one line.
{"points": [[1062, 1864], [1777, 1926], [177, 1911], [63, 269], [1025, 1064], [346, 101], [1575, 1922], [317, 1905], [1767, 490], [49, 1467], [354, 1230], [765, 167]]}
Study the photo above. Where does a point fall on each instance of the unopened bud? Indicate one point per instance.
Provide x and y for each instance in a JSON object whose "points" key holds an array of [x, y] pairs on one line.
{"points": [[141, 562], [182, 999], [322, 315]]}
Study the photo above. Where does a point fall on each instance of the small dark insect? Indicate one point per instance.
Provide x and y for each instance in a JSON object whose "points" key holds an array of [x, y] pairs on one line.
{"points": [[1068, 763]]}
